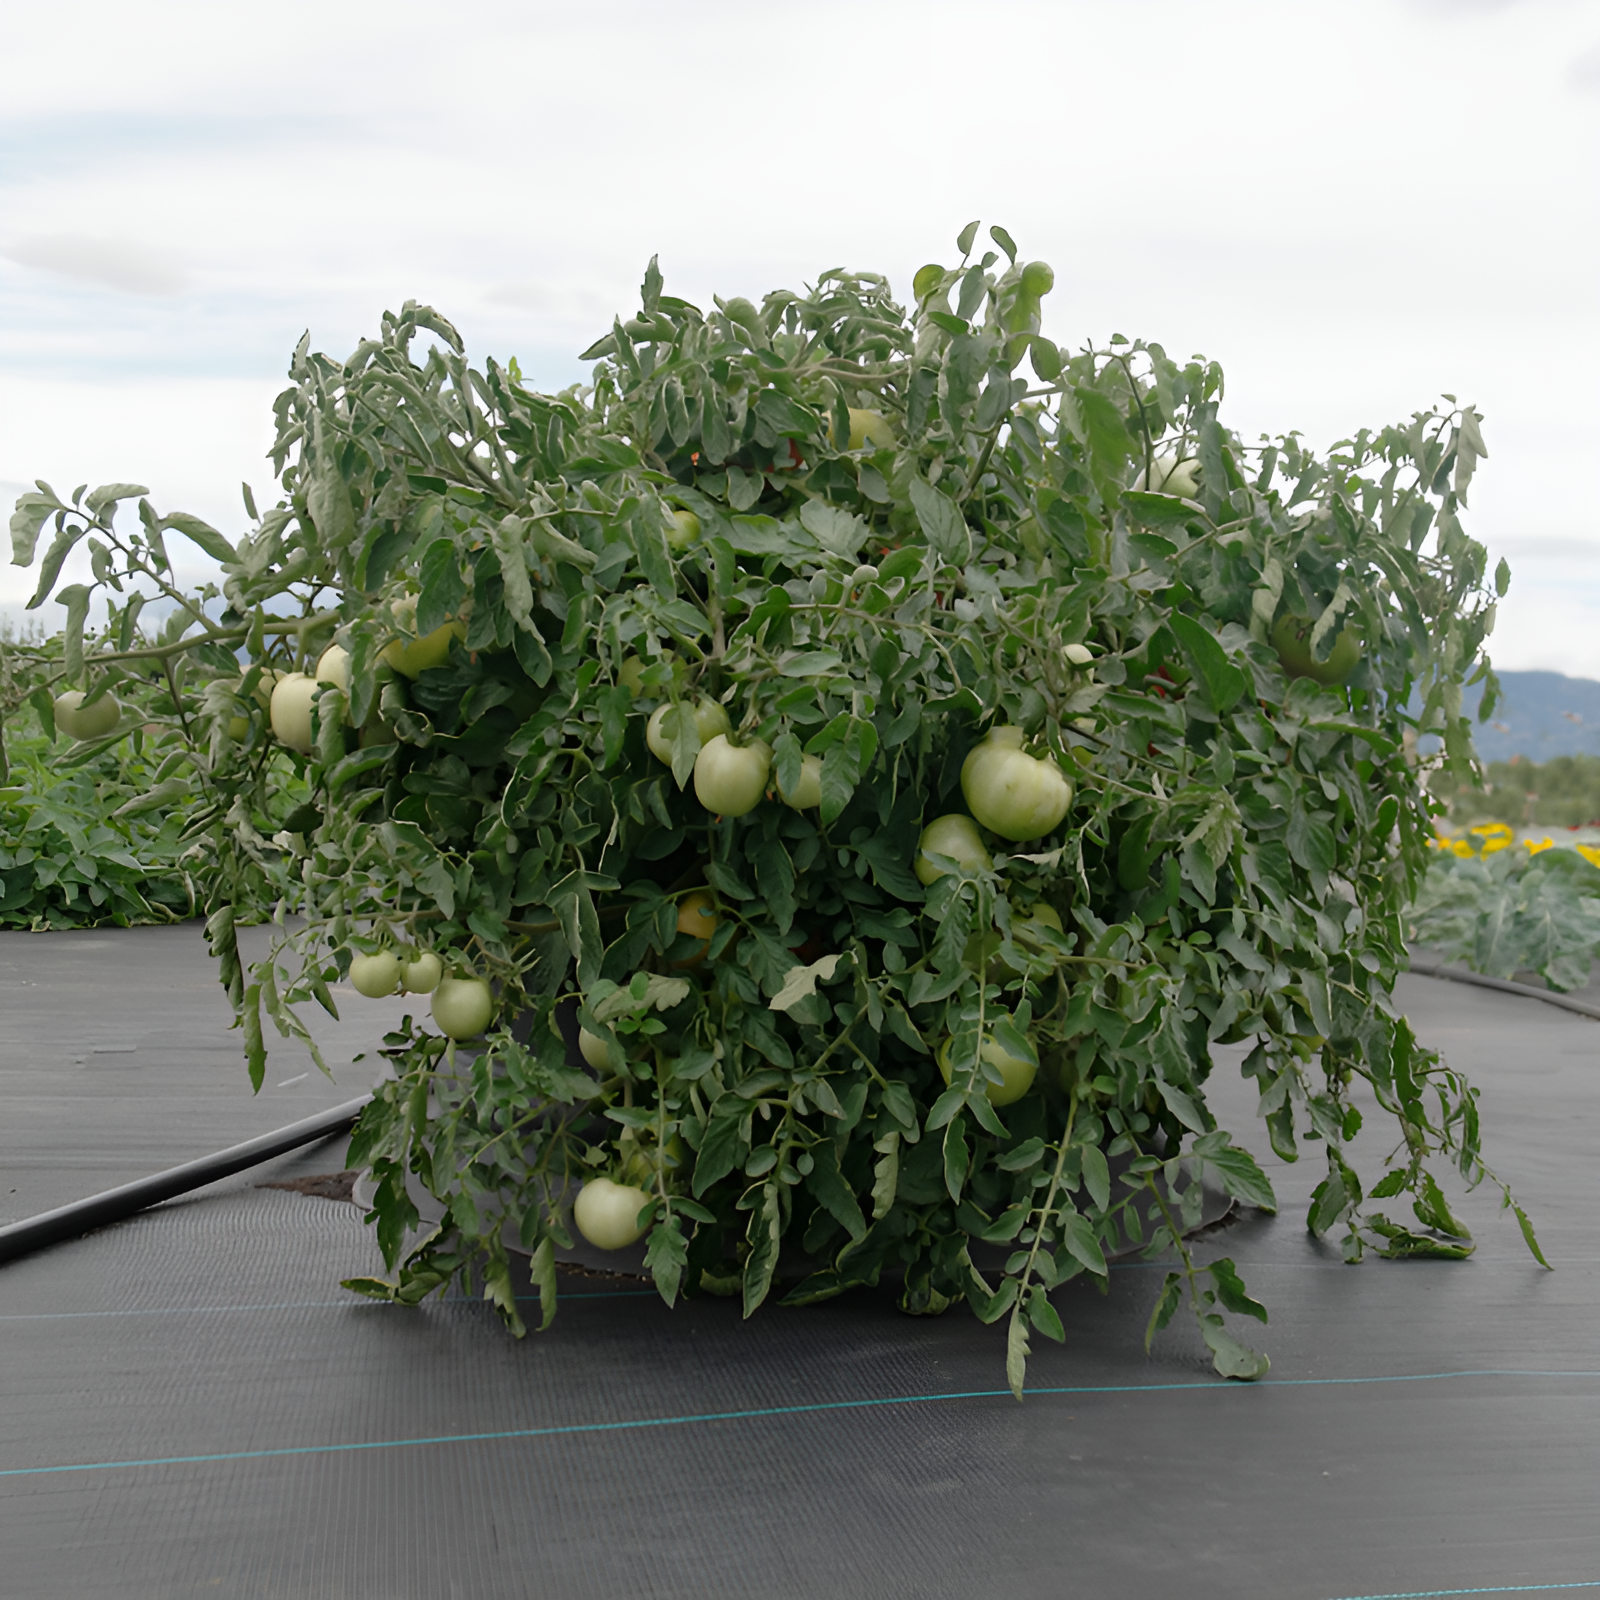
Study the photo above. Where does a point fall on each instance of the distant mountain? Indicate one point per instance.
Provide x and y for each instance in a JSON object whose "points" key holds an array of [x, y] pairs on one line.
{"points": [[1541, 714]]}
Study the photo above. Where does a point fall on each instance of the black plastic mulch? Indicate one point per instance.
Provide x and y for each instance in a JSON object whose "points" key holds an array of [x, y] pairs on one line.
{"points": [[189, 1405]]}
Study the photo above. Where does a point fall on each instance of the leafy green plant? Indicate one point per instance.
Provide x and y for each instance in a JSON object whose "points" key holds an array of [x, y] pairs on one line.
{"points": [[800, 560], [1513, 910], [83, 846], [104, 829]]}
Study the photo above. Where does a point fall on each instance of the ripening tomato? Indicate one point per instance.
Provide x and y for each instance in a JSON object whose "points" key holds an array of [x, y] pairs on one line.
{"points": [[1016, 1073], [607, 1213], [709, 718], [955, 836], [1010, 792], [730, 779]]}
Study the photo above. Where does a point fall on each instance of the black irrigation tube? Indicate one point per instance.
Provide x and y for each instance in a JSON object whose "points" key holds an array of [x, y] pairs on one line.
{"points": [[1430, 969], [67, 1222]]}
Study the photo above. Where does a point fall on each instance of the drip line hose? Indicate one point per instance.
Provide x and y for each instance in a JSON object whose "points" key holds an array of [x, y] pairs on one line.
{"points": [[1551, 997], [68, 1222]]}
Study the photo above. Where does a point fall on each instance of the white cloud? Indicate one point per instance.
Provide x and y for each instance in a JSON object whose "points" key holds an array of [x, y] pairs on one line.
{"points": [[107, 263]]}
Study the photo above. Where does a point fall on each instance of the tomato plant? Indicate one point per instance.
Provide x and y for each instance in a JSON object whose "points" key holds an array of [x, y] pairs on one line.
{"points": [[901, 541]]}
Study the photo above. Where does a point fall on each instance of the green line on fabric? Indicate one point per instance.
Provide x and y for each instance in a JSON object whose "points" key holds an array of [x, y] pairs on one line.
{"points": [[1514, 1588], [763, 1411]]}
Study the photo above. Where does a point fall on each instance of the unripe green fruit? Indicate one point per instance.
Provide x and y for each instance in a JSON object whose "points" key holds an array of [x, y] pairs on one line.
{"points": [[807, 791], [607, 1213], [92, 723], [1291, 638], [683, 529], [293, 696], [955, 836], [333, 666], [1010, 792], [869, 429], [1016, 1074], [410, 657], [709, 718], [375, 976], [1169, 475], [730, 779], [1038, 279], [462, 1007], [593, 1049], [421, 975]]}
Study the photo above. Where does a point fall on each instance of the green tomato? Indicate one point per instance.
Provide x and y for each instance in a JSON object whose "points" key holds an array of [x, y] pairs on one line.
{"points": [[955, 836], [333, 666], [98, 720], [683, 530], [709, 718], [1291, 638], [375, 976], [983, 949], [869, 429], [422, 973], [593, 1049], [1010, 792], [807, 791], [266, 679], [1016, 1074], [730, 779], [410, 656], [644, 1162], [631, 673], [1038, 279], [462, 1007], [1169, 475], [293, 696], [607, 1213]]}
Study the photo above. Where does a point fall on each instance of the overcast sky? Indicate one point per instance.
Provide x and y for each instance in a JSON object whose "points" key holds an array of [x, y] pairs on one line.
{"points": [[1354, 206]]}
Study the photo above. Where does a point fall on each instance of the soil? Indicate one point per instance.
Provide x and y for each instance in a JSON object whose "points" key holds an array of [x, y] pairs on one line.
{"points": [[324, 1185]]}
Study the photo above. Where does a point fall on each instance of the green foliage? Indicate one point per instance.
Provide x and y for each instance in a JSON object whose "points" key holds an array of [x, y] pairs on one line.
{"points": [[1514, 910], [77, 848], [108, 830], [1560, 793], [1235, 865]]}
